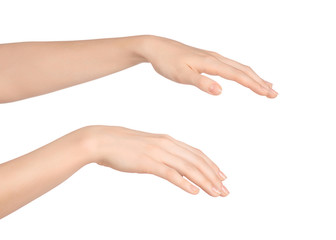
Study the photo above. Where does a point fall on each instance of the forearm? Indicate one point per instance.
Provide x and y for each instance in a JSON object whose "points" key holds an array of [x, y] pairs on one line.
{"points": [[30, 176], [33, 68]]}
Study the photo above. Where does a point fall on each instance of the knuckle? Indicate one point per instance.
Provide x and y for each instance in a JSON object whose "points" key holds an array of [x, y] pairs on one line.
{"points": [[247, 68], [162, 139], [213, 53], [199, 151], [209, 59], [165, 138], [215, 167]]}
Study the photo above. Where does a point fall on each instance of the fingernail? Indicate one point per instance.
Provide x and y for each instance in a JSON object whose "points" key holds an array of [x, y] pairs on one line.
{"points": [[222, 175], [271, 90], [275, 92], [215, 89], [224, 190], [215, 190]]}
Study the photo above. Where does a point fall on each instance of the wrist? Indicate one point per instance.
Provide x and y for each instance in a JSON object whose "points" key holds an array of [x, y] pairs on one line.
{"points": [[87, 144], [143, 46]]}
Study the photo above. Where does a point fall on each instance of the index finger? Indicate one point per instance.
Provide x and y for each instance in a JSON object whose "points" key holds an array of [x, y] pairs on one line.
{"points": [[213, 66]]}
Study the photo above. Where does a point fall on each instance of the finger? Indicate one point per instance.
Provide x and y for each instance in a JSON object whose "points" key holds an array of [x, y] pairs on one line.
{"points": [[170, 174], [213, 165], [215, 67], [165, 141], [249, 71], [173, 147], [189, 152], [198, 161], [202, 82], [189, 170]]}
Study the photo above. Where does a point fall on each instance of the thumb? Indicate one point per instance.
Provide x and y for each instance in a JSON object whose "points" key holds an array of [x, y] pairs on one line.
{"points": [[204, 83]]}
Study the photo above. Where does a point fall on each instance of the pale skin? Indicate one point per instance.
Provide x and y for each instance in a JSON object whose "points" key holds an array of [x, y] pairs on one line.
{"points": [[33, 68]]}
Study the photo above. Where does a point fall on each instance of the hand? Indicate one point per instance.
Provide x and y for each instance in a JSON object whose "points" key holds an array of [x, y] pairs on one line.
{"points": [[133, 151], [184, 64]]}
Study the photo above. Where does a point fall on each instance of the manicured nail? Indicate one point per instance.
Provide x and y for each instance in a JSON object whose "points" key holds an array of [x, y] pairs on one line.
{"points": [[225, 191], [222, 175], [215, 190], [215, 89]]}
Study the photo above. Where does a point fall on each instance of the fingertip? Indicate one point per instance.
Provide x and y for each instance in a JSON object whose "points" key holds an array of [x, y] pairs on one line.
{"points": [[194, 190], [222, 175], [207, 85], [224, 191], [195, 193], [215, 89], [225, 194], [273, 94]]}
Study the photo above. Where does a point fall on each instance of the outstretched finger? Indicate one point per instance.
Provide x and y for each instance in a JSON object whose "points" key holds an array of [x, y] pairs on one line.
{"points": [[249, 71], [194, 174], [213, 66]]}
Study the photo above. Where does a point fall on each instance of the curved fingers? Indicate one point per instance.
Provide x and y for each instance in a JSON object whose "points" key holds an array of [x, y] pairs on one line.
{"points": [[191, 165], [213, 165]]}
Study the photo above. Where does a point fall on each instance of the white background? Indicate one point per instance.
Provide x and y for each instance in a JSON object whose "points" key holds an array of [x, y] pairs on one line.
{"points": [[278, 154]]}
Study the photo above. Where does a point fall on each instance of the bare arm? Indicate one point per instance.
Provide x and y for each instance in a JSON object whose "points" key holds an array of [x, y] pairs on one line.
{"points": [[27, 177], [33, 68], [30, 69]]}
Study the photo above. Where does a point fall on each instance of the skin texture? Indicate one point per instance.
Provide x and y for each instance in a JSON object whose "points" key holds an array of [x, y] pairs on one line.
{"points": [[34, 68]]}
